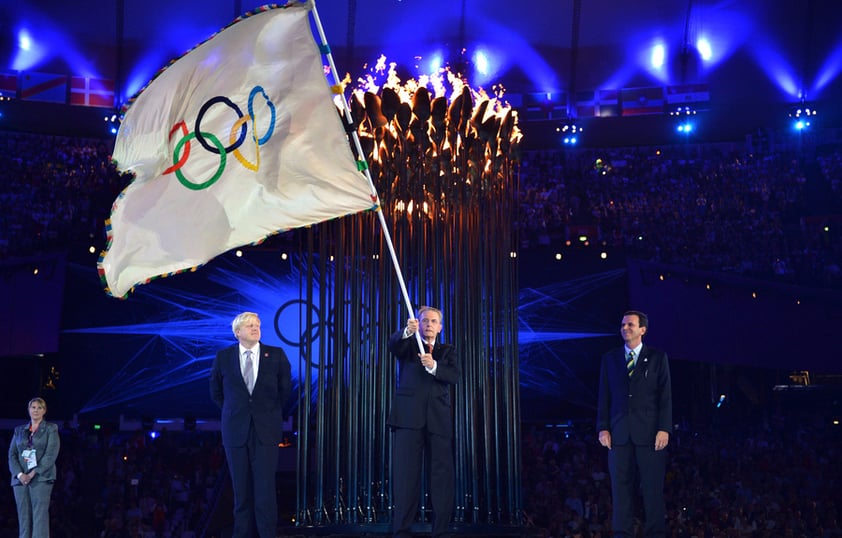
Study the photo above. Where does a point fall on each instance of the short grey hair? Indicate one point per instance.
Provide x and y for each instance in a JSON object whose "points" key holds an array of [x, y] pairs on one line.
{"points": [[242, 319], [424, 308]]}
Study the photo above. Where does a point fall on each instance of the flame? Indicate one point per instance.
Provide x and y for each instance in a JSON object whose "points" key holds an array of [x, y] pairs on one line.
{"points": [[426, 148]]}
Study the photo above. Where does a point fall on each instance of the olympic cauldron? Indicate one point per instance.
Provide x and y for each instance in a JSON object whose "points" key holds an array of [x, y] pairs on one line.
{"points": [[444, 159]]}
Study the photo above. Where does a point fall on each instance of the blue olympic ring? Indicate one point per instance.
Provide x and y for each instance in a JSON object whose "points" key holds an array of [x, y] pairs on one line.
{"points": [[271, 129]]}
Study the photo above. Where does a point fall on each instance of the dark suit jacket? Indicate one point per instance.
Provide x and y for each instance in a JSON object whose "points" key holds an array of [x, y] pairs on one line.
{"points": [[635, 409], [46, 444], [422, 399], [266, 403]]}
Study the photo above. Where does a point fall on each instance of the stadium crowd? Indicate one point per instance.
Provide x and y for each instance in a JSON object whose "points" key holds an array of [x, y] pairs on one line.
{"points": [[711, 207], [763, 471], [714, 207], [53, 190], [115, 484], [769, 473]]}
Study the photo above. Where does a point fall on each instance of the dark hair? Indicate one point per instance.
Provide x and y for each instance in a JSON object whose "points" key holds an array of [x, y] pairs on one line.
{"points": [[642, 319]]}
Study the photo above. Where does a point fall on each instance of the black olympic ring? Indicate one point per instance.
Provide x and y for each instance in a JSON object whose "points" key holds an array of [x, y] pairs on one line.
{"points": [[302, 338], [201, 137]]}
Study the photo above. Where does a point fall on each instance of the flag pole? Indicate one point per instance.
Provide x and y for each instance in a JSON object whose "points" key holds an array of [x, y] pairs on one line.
{"points": [[363, 164]]}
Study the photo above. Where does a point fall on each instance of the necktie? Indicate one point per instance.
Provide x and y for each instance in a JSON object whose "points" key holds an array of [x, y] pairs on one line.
{"points": [[429, 348], [630, 362], [248, 371]]}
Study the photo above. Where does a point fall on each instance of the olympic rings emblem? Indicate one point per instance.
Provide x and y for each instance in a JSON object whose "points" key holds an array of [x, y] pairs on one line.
{"points": [[211, 143]]}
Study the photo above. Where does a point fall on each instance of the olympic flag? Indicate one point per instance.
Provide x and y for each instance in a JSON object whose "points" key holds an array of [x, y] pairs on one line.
{"points": [[237, 140]]}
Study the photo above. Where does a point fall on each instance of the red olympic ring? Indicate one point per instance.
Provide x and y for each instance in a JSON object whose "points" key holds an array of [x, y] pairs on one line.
{"points": [[183, 159]]}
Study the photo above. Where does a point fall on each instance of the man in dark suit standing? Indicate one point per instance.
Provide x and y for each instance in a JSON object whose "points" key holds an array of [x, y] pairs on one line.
{"points": [[250, 382], [422, 419], [634, 420]]}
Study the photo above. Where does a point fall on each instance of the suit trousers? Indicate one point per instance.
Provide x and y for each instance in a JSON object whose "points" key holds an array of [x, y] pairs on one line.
{"points": [[253, 468], [33, 502], [409, 449], [623, 462]]}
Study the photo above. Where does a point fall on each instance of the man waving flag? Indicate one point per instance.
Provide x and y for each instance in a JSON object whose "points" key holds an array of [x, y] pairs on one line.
{"points": [[237, 140]]}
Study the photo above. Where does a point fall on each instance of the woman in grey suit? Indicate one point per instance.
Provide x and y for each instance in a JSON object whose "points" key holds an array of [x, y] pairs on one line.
{"points": [[32, 462]]}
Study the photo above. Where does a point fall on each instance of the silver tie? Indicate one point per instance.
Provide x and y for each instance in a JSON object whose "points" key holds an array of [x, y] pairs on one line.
{"points": [[248, 371]]}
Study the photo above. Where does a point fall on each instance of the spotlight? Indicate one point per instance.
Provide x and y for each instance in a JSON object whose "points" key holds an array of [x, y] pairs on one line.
{"points": [[704, 48], [482, 62], [571, 133], [113, 122], [658, 57], [802, 116], [683, 111]]}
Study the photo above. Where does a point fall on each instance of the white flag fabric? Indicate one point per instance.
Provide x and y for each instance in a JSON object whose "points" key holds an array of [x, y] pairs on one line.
{"points": [[237, 140]]}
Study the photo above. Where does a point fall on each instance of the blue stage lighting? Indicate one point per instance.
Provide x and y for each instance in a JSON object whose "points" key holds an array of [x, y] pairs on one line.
{"points": [[29, 52], [683, 111], [481, 62], [24, 41], [802, 116], [704, 49], [571, 133], [113, 121], [659, 55], [436, 63]]}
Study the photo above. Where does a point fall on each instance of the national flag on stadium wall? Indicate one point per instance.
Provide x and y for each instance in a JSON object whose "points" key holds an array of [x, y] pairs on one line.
{"points": [[585, 104], [8, 84], [43, 87], [607, 103], [640, 101], [236, 141], [696, 96], [544, 106], [90, 91]]}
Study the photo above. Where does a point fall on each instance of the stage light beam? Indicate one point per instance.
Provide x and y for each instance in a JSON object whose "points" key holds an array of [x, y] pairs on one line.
{"points": [[659, 55], [704, 49]]}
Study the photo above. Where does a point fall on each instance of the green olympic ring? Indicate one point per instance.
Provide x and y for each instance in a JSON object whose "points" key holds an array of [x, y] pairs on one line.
{"points": [[222, 158]]}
